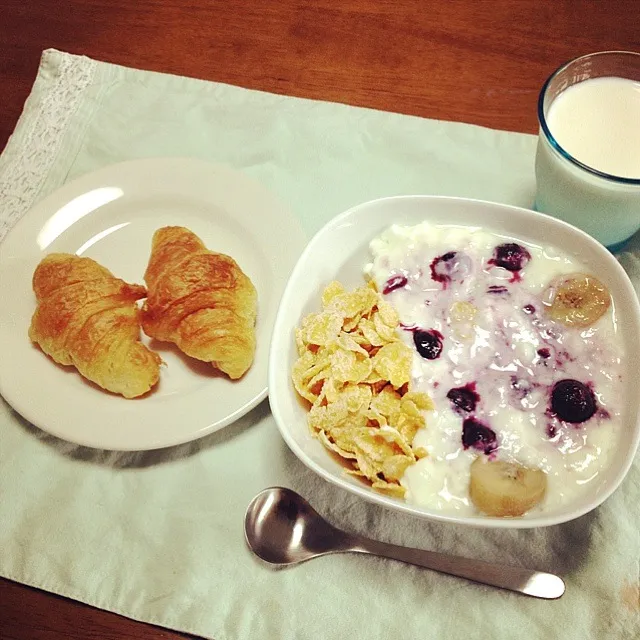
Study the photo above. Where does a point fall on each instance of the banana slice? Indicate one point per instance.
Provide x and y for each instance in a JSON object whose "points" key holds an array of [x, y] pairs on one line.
{"points": [[577, 300], [505, 489]]}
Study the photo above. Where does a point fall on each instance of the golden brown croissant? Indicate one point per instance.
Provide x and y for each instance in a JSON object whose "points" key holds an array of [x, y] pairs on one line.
{"points": [[88, 318], [200, 300]]}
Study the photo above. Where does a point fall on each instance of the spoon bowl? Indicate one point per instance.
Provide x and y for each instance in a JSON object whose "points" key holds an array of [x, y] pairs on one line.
{"points": [[282, 529]]}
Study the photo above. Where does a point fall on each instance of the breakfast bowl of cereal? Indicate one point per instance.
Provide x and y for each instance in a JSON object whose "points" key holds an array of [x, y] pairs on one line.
{"points": [[459, 360]]}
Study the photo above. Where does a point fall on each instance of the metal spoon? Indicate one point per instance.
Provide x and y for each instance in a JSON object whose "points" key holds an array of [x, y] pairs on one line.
{"points": [[282, 528]]}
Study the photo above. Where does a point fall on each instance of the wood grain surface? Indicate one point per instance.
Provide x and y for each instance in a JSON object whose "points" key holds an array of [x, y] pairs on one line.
{"points": [[476, 61]]}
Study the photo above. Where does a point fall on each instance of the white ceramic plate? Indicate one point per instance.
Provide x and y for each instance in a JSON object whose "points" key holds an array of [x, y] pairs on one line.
{"points": [[346, 239], [110, 216]]}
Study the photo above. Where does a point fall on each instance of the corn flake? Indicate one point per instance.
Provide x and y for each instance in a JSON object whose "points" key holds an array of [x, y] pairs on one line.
{"points": [[370, 334], [393, 362], [331, 291], [355, 372], [386, 333], [357, 303], [388, 314]]}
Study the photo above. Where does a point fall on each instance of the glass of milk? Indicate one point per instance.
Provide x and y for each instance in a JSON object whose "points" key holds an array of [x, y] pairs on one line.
{"points": [[588, 156]]}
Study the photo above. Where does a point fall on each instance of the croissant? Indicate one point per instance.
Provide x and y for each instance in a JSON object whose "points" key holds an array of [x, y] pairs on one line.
{"points": [[201, 301], [88, 318]]}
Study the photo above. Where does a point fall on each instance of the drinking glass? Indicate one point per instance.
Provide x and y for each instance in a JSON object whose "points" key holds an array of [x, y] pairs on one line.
{"points": [[604, 205]]}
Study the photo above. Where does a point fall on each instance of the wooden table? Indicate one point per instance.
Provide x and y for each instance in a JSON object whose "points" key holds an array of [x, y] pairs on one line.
{"points": [[476, 61]]}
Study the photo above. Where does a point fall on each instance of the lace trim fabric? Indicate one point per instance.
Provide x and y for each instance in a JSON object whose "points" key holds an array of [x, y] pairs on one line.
{"points": [[34, 146]]}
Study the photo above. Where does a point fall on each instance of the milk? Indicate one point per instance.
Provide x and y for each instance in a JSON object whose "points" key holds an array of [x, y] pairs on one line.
{"points": [[596, 121]]}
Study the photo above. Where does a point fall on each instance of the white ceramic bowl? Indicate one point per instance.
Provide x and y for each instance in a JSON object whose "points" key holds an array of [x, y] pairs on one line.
{"points": [[341, 249]]}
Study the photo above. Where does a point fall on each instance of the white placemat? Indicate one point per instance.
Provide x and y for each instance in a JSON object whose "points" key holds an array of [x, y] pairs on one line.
{"points": [[157, 536]]}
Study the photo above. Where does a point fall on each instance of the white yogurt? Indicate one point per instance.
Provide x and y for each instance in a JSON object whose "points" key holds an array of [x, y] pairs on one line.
{"points": [[511, 354]]}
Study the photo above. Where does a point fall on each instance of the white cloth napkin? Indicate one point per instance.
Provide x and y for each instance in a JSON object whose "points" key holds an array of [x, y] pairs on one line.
{"points": [[157, 536]]}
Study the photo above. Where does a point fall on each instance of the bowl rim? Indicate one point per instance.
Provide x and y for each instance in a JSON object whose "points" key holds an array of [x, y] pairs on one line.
{"points": [[367, 493]]}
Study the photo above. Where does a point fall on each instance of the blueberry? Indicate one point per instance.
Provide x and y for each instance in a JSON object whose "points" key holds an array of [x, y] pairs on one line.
{"points": [[449, 266], [464, 398], [572, 401], [478, 435], [393, 283], [510, 256], [428, 343], [544, 352]]}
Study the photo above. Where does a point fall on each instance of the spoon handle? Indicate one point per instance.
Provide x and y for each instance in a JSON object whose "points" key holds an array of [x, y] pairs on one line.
{"points": [[531, 583]]}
